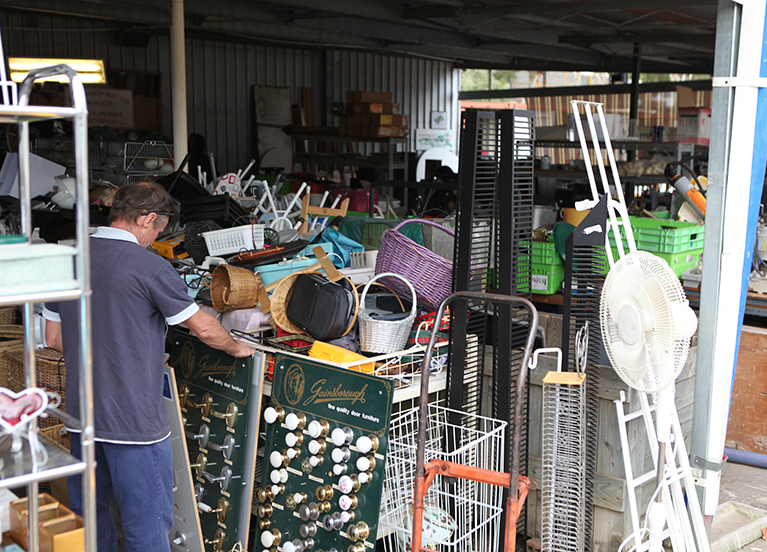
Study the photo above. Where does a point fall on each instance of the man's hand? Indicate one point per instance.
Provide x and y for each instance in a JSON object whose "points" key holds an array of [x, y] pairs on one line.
{"points": [[242, 351], [212, 333]]}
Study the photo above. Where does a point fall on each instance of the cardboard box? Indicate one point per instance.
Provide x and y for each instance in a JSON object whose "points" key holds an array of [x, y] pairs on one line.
{"points": [[384, 131], [65, 534], [377, 119], [368, 97], [48, 509], [380, 107], [693, 126], [147, 114], [559, 132]]}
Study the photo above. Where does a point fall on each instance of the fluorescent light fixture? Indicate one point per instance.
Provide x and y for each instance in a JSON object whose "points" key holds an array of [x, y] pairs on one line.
{"points": [[90, 71]]}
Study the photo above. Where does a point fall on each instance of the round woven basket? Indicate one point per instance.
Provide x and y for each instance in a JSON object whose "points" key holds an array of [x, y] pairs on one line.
{"points": [[279, 299], [385, 336], [234, 288]]}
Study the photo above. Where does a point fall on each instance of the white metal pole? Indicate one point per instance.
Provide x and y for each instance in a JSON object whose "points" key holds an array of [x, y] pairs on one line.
{"points": [[735, 184], [178, 81]]}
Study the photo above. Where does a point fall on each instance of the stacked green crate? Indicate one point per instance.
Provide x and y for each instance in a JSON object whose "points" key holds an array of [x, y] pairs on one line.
{"points": [[548, 268], [679, 243]]}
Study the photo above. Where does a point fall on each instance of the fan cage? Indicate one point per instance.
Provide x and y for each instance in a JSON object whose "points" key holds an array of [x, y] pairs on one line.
{"points": [[475, 508], [647, 282]]}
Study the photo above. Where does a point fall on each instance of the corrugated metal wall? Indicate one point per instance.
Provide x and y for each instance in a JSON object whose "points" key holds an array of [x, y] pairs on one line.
{"points": [[418, 85], [221, 76]]}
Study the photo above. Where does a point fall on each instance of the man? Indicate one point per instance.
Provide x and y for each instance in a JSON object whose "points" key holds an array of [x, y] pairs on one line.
{"points": [[135, 293]]}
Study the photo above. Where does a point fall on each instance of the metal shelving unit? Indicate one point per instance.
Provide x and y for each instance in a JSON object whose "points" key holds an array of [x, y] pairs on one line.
{"points": [[50, 272], [350, 158]]}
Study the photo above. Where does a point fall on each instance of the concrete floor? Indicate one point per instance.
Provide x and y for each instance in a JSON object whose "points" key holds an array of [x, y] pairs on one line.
{"points": [[747, 485]]}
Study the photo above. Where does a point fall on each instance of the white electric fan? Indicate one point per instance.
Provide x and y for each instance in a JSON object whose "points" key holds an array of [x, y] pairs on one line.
{"points": [[646, 325]]}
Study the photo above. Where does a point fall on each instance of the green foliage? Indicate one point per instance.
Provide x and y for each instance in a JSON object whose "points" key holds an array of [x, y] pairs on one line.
{"points": [[486, 79]]}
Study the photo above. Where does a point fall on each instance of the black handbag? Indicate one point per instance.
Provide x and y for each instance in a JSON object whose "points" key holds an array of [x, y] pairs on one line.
{"points": [[323, 309]]}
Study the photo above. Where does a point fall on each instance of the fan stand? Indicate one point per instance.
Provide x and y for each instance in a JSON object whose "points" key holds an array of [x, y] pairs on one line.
{"points": [[676, 468], [683, 518]]}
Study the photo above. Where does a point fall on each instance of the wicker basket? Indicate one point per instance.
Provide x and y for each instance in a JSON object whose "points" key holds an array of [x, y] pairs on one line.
{"points": [[57, 435], [12, 345], [234, 288], [51, 375], [8, 316], [430, 275], [385, 336]]}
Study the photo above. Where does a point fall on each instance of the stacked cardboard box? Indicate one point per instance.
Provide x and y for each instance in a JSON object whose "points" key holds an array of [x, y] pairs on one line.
{"points": [[372, 115]]}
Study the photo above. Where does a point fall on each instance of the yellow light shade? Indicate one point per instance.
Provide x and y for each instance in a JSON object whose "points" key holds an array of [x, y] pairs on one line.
{"points": [[89, 70]]}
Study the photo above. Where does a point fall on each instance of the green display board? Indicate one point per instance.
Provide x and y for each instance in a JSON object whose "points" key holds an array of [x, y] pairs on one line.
{"points": [[220, 399], [326, 439]]}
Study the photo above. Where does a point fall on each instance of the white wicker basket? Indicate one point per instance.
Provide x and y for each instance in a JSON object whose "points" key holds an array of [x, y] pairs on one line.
{"points": [[384, 336], [234, 240]]}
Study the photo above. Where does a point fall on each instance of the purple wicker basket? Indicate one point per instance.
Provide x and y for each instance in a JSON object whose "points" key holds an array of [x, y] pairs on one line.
{"points": [[430, 275]]}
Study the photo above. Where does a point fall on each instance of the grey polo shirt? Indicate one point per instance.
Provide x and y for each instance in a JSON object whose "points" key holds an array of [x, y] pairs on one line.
{"points": [[135, 293]]}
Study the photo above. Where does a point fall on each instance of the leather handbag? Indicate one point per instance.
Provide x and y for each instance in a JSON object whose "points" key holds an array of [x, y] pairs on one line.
{"points": [[323, 309]]}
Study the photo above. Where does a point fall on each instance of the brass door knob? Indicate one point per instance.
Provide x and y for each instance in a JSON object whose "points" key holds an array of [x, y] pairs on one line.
{"points": [[274, 414], [221, 510], [264, 510], [205, 405], [200, 465], [218, 541], [183, 394], [230, 415]]}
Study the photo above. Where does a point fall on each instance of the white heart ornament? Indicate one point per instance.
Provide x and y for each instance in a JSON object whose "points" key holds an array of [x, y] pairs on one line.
{"points": [[19, 408]]}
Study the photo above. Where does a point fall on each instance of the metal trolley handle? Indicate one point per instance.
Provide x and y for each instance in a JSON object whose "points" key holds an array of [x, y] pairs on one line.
{"points": [[518, 486]]}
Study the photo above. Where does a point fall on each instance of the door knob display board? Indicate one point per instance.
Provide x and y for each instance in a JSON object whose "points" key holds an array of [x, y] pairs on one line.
{"points": [[326, 439], [186, 533], [220, 399]]}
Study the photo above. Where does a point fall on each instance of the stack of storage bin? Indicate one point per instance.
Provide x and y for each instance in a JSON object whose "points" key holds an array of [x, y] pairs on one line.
{"points": [[548, 268], [680, 244]]}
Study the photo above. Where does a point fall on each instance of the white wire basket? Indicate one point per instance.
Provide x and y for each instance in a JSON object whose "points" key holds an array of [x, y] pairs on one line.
{"points": [[459, 515], [234, 240], [379, 335], [146, 157]]}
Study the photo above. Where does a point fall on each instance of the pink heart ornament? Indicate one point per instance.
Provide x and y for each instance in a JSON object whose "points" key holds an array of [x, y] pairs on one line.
{"points": [[19, 408]]}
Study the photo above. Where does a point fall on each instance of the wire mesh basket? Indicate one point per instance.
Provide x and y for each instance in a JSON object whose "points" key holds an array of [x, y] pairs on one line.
{"points": [[459, 515], [147, 156]]}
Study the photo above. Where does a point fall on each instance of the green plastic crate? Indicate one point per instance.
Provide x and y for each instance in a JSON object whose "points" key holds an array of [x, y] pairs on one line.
{"points": [[547, 278], [545, 252], [679, 261], [665, 236]]}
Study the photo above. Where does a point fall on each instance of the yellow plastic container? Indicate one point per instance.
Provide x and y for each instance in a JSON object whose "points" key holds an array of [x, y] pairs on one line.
{"points": [[333, 353]]}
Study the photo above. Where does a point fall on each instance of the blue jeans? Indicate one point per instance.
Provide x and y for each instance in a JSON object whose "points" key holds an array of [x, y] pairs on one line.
{"points": [[140, 477]]}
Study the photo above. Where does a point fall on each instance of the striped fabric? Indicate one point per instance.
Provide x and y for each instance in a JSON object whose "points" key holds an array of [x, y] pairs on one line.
{"points": [[655, 109]]}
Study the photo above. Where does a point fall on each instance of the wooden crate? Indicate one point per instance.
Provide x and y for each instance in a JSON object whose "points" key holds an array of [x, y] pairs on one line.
{"points": [[612, 520]]}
